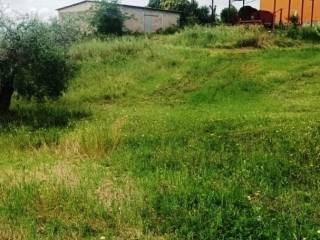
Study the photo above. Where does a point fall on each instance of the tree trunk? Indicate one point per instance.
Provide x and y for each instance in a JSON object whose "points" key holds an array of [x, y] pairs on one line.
{"points": [[5, 98]]}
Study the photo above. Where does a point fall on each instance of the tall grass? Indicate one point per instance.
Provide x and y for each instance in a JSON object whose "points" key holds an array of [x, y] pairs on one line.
{"points": [[306, 33], [228, 37], [117, 49]]}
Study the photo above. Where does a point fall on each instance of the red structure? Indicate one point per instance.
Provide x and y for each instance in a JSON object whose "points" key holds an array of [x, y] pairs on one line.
{"points": [[265, 17]]}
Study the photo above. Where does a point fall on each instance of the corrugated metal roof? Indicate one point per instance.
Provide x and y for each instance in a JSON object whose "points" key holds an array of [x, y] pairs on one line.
{"points": [[123, 5]]}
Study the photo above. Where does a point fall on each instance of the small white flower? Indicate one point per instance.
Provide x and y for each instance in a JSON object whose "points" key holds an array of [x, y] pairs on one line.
{"points": [[102, 238], [318, 231]]}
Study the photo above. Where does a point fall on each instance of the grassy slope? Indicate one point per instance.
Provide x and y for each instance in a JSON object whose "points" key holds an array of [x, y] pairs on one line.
{"points": [[167, 139]]}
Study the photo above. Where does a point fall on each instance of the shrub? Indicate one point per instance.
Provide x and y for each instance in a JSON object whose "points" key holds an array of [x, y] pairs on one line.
{"points": [[229, 15], [33, 62], [304, 33], [248, 42], [293, 33], [310, 34], [170, 30], [108, 18]]}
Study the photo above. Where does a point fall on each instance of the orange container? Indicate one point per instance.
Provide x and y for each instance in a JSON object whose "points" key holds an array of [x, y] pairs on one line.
{"points": [[302, 8]]}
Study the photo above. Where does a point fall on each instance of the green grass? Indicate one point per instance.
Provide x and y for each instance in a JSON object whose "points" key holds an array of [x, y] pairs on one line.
{"points": [[232, 37], [164, 138]]}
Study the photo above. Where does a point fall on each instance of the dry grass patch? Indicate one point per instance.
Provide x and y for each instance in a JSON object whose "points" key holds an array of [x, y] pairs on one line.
{"points": [[119, 194], [90, 142], [59, 173], [9, 232]]}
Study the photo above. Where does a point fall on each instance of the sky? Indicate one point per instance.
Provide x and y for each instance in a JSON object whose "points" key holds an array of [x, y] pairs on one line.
{"points": [[46, 8]]}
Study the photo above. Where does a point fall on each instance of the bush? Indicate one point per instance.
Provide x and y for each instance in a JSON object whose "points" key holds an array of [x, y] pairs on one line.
{"points": [[293, 33], [108, 18], [34, 60], [229, 16], [170, 30], [304, 33], [310, 34], [248, 42]]}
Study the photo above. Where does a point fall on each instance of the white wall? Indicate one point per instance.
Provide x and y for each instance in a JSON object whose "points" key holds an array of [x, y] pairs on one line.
{"points": [[136, 22]]}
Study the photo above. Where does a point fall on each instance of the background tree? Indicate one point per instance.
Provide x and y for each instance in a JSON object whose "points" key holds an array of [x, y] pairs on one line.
{"points": [[33, 60], [229, 15], [108, 18], [203, 15], [177, 5], [154, 4], [191, 13]]}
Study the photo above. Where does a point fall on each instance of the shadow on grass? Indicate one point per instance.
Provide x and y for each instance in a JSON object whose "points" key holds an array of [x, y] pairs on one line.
{"points": [[37, 116]]}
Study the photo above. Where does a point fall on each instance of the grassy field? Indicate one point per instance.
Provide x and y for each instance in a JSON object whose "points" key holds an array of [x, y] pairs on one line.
{"points": [[205, 134]]}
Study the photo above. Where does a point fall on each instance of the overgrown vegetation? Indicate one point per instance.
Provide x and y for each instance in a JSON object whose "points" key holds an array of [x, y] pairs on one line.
{"points": [[165, 138]]}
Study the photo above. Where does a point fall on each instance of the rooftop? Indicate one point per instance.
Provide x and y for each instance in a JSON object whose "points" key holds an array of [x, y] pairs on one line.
{"points": [[123, 5]]}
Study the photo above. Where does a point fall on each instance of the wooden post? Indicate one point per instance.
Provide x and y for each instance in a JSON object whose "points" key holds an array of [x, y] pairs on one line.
{"points": [[312, 12], [302, 10], [212, 12], [274, 14], [243, 2], [229, 9], [280, 21], [289, 11]]}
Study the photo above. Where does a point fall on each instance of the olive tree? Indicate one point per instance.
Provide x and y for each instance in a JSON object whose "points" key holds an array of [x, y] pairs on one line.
{"points": [[33, 60]]}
